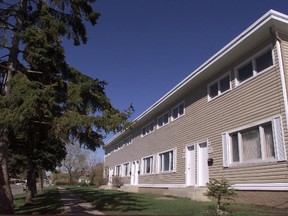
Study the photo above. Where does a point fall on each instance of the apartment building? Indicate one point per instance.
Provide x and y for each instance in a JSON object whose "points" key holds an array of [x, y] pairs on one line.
{"points": [[227, 119]]}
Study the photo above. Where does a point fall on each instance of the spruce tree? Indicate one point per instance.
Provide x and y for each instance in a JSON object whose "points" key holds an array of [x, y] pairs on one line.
{"points": [[45, 102]]}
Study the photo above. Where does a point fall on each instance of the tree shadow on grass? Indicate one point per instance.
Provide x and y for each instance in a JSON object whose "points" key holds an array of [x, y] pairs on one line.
{"points": [[48, 201], [113, 201]]}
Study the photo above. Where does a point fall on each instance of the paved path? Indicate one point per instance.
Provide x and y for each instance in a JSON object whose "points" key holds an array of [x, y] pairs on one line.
{"points": [[74, 205]]}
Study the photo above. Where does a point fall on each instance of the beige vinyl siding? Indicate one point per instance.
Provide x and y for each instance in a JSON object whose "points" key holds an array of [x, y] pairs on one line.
{"points": [[255, 100]]}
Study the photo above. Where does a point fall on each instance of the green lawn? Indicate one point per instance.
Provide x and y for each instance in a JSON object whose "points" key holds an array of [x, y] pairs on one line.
{"points": [[121, 203], [46, 202], [113, 202]]}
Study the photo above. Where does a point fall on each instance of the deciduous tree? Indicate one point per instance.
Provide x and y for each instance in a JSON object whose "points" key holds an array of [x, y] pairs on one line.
{"points": [[75, 160]]}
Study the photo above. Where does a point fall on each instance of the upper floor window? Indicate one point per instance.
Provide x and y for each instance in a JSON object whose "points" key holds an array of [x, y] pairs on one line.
{"points": [[128, 140], [148, 129], [259, 143], [177, 111], [219, 86], [253, 66], [163, 120], [108, 151]]}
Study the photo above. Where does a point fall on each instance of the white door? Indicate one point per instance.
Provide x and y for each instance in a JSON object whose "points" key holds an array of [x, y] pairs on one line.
{"points": [[203, 172], [134, 173], [110, 176], [190, 165]]}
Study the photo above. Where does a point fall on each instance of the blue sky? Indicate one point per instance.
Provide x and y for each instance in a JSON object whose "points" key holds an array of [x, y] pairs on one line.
{"points": [[143, 48]]}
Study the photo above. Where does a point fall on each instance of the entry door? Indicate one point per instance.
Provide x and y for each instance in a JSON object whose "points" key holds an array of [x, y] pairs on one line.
{"points": [[190, 166], [134, 173], [203, 172], [110, 176]]}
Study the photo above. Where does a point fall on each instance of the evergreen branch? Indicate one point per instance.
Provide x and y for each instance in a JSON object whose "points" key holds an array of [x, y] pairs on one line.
{"points": [[6, 24], [4, 55], [39, 122], [5, 47], [36, 72]]}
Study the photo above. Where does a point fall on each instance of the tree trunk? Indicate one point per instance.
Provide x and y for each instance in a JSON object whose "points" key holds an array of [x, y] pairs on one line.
{"points": [[70, 177], [6, 197], [41, 176], [31, 189]]}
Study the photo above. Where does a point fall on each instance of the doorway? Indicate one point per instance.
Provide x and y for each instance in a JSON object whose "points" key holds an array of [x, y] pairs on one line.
{"points": [[190, 165], [203, 170], [134, 173]]}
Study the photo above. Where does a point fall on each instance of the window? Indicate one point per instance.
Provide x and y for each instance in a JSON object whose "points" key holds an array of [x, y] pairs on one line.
{"points": [[167, 161], [148, 129], [259, 143], [108, 151], [126, 169], [245, 72], [177, 111], [118, 170], [123, 143], [148, 165], [163, 120], [219, 86], [254, 66]]}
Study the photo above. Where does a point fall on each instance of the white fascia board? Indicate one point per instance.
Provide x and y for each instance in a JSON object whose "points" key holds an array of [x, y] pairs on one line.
{"points": [[271, 14], [262, 187]]}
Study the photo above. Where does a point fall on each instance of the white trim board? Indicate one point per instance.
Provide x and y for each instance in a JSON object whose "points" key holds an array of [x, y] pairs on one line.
{"points": [[162, 185], [262, 187]]}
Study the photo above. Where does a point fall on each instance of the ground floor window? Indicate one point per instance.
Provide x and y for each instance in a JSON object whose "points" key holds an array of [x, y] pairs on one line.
{"points": [[256, 143], [148, 165], [118, 170], [167, 160], [126, 170]]}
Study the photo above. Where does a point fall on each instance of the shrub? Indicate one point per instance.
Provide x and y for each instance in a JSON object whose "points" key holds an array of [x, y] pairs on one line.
{"points": [[82, 184], [117, 181], [219, 190]]}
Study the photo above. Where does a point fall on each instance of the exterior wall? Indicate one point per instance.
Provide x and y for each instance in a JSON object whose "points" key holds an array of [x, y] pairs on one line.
{"points": [[257, 99]]}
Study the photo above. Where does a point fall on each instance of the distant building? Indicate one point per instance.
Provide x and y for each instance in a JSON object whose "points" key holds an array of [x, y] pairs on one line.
{"points": [[228, 119]]}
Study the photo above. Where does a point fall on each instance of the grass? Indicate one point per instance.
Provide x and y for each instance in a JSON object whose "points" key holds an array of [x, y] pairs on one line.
{"points": [[47, 201], [117, 202], [113, 202], [121, 203]]}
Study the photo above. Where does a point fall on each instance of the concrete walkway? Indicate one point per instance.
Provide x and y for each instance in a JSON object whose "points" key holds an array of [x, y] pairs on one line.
{"points": [[74, 205]]}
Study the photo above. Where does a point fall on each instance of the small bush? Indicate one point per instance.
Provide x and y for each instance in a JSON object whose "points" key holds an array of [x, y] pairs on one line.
{"points": [[60, 183], [117, 181], [219, 191], [99, 182], [83, 184]]}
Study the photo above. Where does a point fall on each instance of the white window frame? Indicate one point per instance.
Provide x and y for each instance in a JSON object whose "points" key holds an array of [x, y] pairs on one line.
{"points": [[118, 172], [278, 139], [253, 60], [152, 165], [124, 169], [148, 125], [162, 116], [177, 106], [218, 84], [160, 161], [127, 141]]}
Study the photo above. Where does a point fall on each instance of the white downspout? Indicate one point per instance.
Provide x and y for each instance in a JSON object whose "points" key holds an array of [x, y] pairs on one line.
{"points": [[282, 76]]}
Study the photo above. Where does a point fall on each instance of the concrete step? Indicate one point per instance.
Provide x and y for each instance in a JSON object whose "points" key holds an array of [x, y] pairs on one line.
{"points": [[196, 194]]}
